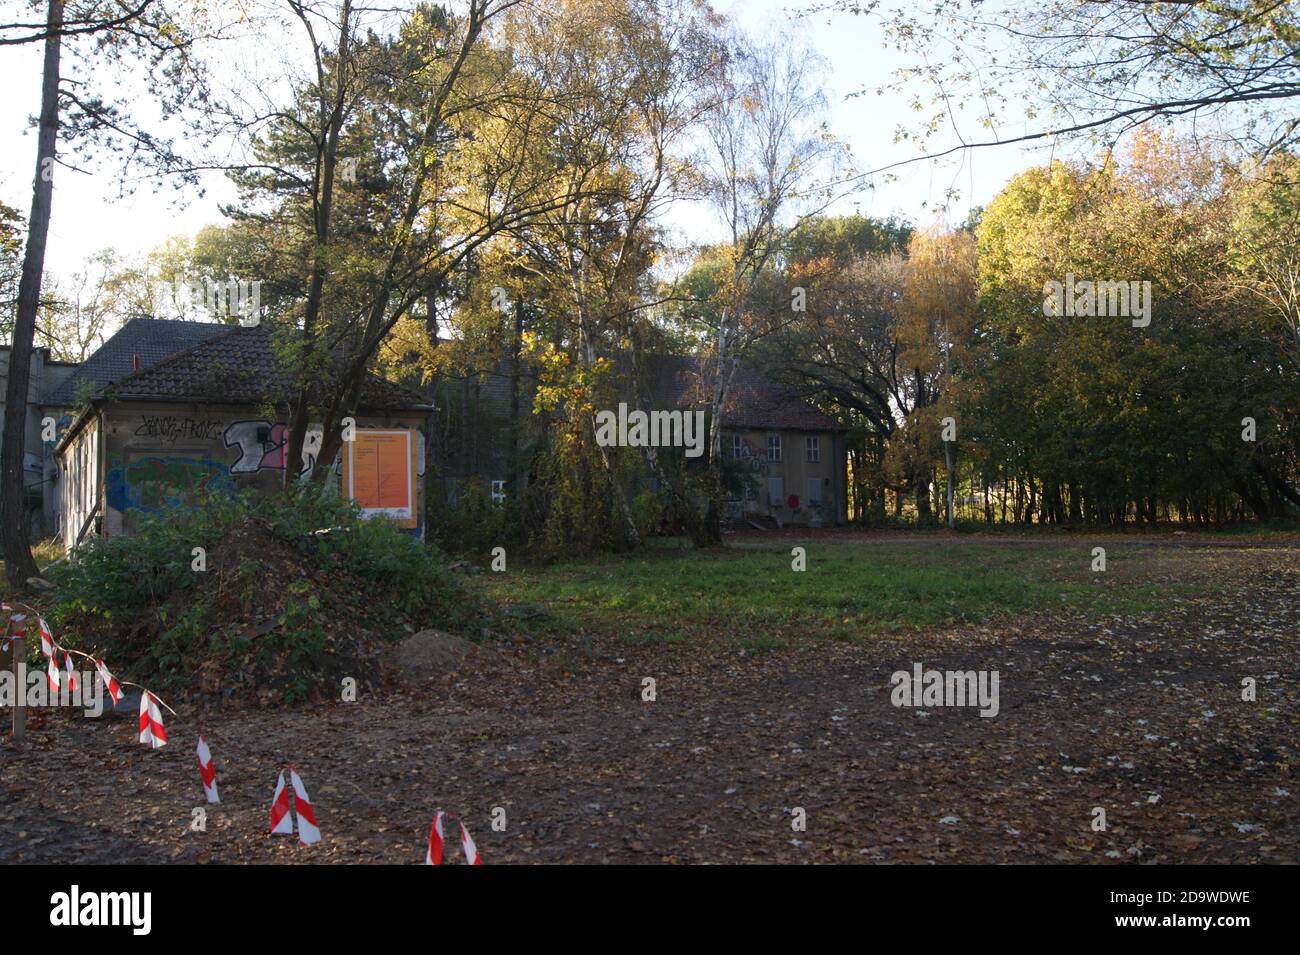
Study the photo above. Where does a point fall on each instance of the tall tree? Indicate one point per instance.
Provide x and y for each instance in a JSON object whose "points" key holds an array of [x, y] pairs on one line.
{"points": [[103, 39], [767, 146], [19, 564]]}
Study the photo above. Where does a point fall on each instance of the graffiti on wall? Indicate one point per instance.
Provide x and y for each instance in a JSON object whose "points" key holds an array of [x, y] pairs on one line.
{"points": [[171, 428], [151, 484], [263, 445], [750, 455], [158, 479]]}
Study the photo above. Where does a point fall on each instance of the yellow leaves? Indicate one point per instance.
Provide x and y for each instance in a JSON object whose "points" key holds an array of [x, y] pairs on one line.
{"points": [[407, 348]]}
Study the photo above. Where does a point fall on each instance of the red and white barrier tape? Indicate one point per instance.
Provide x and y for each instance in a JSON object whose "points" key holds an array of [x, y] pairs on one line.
{"points": [[207, 772], [307, 831], [71, 678], [281, 822], [110, 684], [434, 854], [15, 629], [47, 638], [151, 724]]}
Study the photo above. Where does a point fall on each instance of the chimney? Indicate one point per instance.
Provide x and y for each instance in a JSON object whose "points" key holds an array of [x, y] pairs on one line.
{"points": [[135, 362]]}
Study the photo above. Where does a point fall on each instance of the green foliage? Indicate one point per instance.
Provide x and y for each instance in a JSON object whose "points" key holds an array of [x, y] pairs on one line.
{"points": [[474, 524], [648, 511], [1104, 415], [296, 589]]}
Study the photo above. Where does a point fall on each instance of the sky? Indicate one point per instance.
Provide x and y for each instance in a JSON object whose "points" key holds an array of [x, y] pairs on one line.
{"points": [[88, 217]]}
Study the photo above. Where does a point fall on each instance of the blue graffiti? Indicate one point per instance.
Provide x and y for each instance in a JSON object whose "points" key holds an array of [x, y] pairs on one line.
{"points": [[153, 484]]}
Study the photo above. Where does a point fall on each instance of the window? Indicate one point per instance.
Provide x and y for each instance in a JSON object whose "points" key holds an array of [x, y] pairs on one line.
{"points": [[737, 447], [814, 450], [814, 492], [775, 492], [498, 492], [774, 447]]}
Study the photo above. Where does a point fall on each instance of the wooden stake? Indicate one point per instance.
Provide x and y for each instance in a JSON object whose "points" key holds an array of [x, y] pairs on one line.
{"points": [[20, 691]]}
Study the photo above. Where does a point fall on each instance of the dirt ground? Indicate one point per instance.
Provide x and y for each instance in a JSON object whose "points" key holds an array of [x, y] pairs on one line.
{"points": [[1143, 718]]}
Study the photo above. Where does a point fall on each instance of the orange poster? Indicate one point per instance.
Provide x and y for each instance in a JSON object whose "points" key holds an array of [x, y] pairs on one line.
{"points": [[379, 474]]}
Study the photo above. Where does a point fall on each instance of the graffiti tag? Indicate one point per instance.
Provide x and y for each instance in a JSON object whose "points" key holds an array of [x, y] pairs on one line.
{"points": [[171, 429]]}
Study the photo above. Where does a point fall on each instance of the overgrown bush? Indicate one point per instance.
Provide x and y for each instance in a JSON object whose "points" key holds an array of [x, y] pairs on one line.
{"points": [[295, 591], [475, 524], [648, 512]]}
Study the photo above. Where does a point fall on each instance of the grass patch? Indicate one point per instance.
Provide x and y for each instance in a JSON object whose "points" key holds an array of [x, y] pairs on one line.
{"points": [[849, 591]]}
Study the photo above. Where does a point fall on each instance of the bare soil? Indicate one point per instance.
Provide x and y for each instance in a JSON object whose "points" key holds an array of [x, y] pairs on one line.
{"points": [[1143, 718]]}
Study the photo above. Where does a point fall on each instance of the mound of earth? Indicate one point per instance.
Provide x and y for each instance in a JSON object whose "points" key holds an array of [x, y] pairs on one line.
{"points": [[431, 653], [273, 618]]}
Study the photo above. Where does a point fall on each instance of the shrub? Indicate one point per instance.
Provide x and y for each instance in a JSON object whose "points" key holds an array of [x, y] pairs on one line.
{"points": [[297, 590]]}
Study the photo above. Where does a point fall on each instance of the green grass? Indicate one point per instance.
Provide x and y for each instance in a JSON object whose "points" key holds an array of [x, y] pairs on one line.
{"points": [[849, 590], [47, 551], [44, 552]]}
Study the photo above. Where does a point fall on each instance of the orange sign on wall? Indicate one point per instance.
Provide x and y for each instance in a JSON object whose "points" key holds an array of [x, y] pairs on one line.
{"points": [[379, 474]]}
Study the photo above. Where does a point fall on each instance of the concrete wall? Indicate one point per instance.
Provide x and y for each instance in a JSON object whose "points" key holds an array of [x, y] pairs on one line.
{"points": [[159, 455]]}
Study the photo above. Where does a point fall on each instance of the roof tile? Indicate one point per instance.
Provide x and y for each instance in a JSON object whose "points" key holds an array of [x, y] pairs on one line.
{"points": [[241, 367]]}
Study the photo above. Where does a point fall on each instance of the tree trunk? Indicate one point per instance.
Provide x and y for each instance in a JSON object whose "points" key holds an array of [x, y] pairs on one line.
{"points": [[433, 457], [322, 226], [947, 458], [19, 564], [516, 348], [923, 501]]}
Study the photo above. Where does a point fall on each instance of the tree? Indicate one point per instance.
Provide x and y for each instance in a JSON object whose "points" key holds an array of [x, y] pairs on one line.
{"points": [[885, 335], [1098, 419], [1266, 262], [77, 315], [1078, 68], [103, 34], [767, 145], [632, 81], [19, 564], [936, 328], [436, 127], [11, 264]]}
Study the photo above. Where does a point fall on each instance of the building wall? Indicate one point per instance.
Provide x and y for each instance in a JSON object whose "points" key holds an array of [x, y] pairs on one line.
{"points": [[160, 455], [792, 473], [46, 374], [472, 443], [79, 487]]}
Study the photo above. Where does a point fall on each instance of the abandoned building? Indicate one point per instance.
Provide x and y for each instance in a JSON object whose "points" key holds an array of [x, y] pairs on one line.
{"points": [[166, 408], [39, 474], [212, 416], [794, 454]]}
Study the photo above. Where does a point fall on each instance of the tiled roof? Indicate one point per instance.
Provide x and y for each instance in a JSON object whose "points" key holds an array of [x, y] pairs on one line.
{"points": [[241, 367], [151, 339], [754, 400]]}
